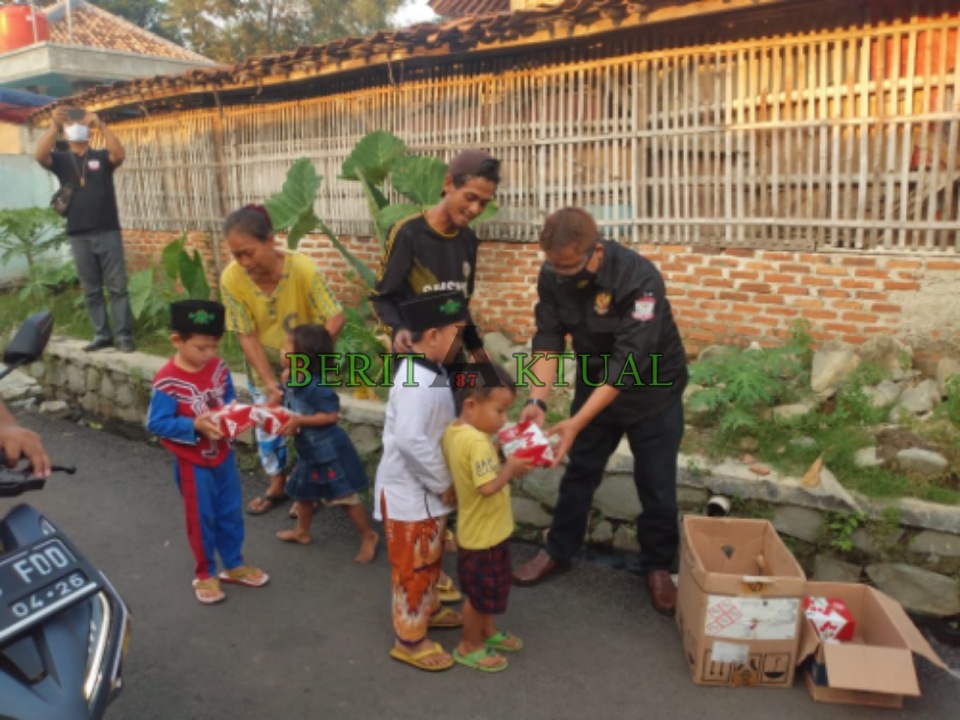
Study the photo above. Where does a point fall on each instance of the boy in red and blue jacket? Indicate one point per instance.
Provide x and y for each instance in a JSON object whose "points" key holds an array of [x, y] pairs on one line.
{"points": [[187, 392]]}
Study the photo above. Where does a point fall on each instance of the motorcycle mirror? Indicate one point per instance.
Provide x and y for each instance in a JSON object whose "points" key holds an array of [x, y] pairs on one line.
{"points": [[30, 340]]}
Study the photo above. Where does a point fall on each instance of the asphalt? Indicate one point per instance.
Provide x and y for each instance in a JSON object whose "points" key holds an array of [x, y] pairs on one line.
{"points": [[315, 642]]}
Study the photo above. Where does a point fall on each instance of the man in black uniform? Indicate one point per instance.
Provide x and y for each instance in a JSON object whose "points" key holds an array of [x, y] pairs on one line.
{"points": [[631, 373], [437, 250], [93, 223]]}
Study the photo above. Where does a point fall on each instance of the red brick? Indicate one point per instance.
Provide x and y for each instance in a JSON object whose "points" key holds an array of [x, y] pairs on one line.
{"points": [[794, 268], [894, 264], [896, 285], [860, 317], [717, 282], [714, 305], [740, 252], [811, 258], [820, 314], [833, 293], [846, 305], [858, 284], [906, 275], [702, 294], [793, 290], [745, 308], [683, 303], [818, 281], [885, 308], [779, 278], [744, 274], [781, 311], [762, 320], [754, 287], [871, 295], [728, 317], [708, 271], [735, 296], [721, 261], [769, 300], [811, 304], [778, 256], [859, 261], [868, 273], [943, 265], [854, 339], [759, 265], [830, 270], [691, 314]]}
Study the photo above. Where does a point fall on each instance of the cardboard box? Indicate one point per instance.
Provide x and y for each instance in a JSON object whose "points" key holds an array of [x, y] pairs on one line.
{"points": [[876, 667], [739, 603]]}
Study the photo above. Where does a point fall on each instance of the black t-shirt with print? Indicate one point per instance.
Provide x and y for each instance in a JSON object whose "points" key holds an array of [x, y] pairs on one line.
{"points": [[94, 203]]}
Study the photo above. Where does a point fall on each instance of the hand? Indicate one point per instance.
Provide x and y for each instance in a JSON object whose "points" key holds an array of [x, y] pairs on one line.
{"points": [[291, 427], [449, 496], [402, 342], [60, 117], [207, 426], [274, 393], [519, 465], [567, 430], [18, 442], [533, 414]]}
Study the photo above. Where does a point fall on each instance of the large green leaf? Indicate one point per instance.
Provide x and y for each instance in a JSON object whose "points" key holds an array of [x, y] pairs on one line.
{"points": [[372, 206], [391, 214], [193, 276], [373, 156], [297, 196], [419, 178], [306, 223], [170, 257], [140, 287], [363, 271]]}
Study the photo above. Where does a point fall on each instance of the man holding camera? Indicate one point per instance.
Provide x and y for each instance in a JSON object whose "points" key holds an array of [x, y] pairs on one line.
{"points": [[88, 200]]}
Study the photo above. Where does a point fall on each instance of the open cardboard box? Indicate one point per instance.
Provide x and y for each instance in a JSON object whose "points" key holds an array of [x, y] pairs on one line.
{"points": [[876, 668], [739, 603]]}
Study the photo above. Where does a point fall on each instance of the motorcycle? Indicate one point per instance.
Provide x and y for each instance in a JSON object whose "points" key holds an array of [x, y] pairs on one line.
{"points": [[64, 629]]}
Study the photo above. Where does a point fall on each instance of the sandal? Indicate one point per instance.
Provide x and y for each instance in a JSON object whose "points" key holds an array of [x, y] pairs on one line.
{"points": [[446, 618], [416, 659], [448, 592], [472, 660], [208, 591], [245, 575], [265, 503], [504, 641]]}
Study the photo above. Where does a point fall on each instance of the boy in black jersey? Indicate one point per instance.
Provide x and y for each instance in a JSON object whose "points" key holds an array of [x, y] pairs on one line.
{"points": [[437, 250]]}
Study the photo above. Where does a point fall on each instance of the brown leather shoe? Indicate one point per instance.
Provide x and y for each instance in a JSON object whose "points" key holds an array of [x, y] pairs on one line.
{"points": [[663, 593], [537, 568]]}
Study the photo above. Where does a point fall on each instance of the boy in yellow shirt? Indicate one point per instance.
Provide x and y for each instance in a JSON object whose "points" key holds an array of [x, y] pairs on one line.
{"points": [[485, 516]]}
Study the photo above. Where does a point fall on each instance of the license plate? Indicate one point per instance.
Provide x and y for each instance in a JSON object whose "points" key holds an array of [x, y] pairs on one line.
{"points": [[38, 581]]}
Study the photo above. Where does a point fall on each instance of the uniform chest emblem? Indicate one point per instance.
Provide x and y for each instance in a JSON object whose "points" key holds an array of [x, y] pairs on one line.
{"points": [[601, 303], [94, 165], [643, 308], [466, 270]]}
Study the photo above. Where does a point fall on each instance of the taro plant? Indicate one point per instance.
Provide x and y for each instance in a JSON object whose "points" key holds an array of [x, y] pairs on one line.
{"points": [[180, 276]]}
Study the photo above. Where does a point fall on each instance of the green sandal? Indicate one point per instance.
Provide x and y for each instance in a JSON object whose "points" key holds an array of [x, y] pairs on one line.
{"points": [[472, 660], [504, 641]]}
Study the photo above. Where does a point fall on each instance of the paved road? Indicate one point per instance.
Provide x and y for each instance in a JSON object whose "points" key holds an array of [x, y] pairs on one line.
{"points": [[314, 643]]}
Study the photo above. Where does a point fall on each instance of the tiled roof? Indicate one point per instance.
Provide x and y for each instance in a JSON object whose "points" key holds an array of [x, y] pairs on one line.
{"points": [[567, 19], [459, 8], [90, 26]]}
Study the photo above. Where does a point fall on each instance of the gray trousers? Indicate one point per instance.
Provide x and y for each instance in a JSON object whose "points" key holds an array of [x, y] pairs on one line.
{"points": [[100, 264]]}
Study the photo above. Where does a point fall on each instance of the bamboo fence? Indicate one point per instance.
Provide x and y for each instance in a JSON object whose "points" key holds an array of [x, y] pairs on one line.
{"points": [[831, 139]]}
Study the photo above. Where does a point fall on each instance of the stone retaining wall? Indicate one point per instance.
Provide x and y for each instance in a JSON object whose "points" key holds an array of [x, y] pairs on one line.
{"points": [[117, 386]]}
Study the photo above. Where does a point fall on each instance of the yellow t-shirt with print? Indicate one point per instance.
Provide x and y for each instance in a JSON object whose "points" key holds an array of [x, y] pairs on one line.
{"points": [[301, 297], [482, 521]]}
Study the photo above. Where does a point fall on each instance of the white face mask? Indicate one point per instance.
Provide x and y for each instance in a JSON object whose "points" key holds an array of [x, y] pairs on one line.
{"points": [[77, 133]]}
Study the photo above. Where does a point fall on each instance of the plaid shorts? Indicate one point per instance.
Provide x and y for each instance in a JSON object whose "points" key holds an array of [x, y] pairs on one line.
{"points": [[485, 577]]}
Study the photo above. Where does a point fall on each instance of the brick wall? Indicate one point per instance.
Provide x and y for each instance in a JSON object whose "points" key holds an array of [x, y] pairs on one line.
{"points": [[731, 297]]}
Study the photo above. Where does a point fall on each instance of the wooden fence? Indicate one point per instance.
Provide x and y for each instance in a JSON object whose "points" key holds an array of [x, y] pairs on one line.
{"points": [[822, 140]]}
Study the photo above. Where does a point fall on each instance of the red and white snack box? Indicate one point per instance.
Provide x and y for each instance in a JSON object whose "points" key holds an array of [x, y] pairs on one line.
{"points": [[235, 419], [527, 440], [270, 418], [830, 618]]}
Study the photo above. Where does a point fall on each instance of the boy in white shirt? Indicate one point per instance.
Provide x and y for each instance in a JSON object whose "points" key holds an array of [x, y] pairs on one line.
{"points": [[414, 492]]}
